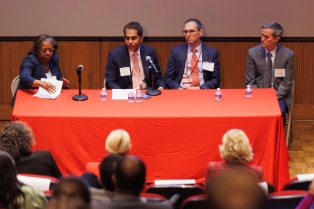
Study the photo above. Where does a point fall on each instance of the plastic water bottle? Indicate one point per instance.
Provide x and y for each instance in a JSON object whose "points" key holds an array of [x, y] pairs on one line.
{"points": [[248, 92], [138, 98], [131, 97], [103, 95], [218, 95]]}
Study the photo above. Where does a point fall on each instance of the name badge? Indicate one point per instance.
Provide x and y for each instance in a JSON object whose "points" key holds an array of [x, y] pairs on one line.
{"points": [[209, 66], [186, 80], [125, 71], [279, 73]]}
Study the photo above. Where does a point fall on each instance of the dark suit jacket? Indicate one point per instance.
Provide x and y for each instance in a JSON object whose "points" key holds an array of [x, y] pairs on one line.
{"points": [[217, 168], [126, 201], [256, 65], [119, 58], [39, 162], [31, 69], [176, 67]]}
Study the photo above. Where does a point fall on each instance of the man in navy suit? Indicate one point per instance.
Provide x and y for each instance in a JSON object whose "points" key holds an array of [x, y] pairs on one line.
{"points": [[280, 62], [127, 67], [193, 65]]}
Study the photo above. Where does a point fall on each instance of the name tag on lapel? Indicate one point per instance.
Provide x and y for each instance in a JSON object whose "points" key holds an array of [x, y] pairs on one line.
{"points": [[209, 66], [279, 73], [125, 71]]}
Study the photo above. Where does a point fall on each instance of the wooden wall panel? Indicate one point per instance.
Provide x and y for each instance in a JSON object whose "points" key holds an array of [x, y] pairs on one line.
{"points": [[93, 55]]}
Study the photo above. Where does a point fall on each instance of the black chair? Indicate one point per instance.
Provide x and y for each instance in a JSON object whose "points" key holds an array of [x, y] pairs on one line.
{"points": [[168, 191], [285, 199], [295, 184], [195, 202]]}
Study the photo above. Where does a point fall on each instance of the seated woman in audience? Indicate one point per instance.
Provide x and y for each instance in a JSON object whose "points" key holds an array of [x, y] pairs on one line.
{"points": [[41, 62], [17, 139], [236, 152], [308, 200], [118, 142], [14, 194]]}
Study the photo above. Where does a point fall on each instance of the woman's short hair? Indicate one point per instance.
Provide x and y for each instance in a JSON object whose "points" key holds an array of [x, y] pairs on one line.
{"points": [[118, 142], [41, 38], [16, 139], [236, 147]]}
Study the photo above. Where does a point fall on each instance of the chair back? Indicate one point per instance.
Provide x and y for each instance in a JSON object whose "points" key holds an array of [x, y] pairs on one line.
{"points": [[296, 184], [14, 84], [285, 199], [289, 125], [150, 197], [195, 201], [93, 167], [168, 191]]}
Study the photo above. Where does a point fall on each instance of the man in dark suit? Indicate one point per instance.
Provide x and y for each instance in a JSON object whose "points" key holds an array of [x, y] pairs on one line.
{"points": [[193, 65], [127, 67], [129, 181], [271, 65]]}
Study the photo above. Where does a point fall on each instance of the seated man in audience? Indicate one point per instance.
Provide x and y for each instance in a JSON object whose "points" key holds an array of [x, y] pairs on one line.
{"points": [[129, 181], [236, 152], [127, 67], [271, 65], [106, 168], [193, 65]]}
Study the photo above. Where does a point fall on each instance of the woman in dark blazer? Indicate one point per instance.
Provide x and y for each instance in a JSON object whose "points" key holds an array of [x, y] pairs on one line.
{"points": [[17, 139], [41, 62]]}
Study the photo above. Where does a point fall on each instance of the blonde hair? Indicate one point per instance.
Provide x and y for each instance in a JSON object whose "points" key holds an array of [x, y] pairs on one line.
{"points": [[236, 147], [118, 142]]}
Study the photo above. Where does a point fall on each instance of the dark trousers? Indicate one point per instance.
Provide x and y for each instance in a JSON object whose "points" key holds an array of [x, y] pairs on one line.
{"points": [[284, 109]]}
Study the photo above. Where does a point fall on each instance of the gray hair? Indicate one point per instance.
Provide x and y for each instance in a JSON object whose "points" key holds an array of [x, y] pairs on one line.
{"points": [[197, 22], [278, 30]]}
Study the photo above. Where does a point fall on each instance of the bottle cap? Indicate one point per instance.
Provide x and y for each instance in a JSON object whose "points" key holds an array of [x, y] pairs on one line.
{"points": [[218, 89], [249, 86], [103, 89]]}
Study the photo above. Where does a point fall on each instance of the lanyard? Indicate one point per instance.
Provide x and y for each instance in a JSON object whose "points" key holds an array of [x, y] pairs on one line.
{"points": [[186, 64]]}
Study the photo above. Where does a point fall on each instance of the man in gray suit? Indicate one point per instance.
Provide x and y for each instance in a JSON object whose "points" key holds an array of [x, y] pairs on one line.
{"points": [[271, 65], [129, 181]]}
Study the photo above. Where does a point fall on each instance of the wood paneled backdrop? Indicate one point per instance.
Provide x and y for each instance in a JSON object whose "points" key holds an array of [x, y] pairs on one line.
{"points": [[93, 56]]}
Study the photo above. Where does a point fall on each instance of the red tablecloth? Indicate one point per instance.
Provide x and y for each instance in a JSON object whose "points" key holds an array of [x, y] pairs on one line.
{"points": [[176, 133]]}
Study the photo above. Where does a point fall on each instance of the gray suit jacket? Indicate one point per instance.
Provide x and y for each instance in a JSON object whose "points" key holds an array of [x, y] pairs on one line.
{"points": [[256, 65]]}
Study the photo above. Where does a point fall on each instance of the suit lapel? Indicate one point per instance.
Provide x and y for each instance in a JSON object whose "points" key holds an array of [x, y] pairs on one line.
{"points": [[205, 53], [127, 62], [182, 57], [277, 56]]}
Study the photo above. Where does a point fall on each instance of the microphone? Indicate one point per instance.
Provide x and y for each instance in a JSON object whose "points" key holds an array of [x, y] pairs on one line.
{"points": [[149, 59], [79, 68]]}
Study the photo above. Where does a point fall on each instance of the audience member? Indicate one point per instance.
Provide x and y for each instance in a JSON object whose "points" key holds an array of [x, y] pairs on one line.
{"points": [[236, 152], [235, 189], [107, 169], [118, 142], [70, 193], [41, 62], [308, 200], [129, 181], [17, 139], [13, 193]]}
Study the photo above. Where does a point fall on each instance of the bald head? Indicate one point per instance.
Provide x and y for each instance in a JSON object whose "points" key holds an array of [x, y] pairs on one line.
{"points": [[130, 176]]}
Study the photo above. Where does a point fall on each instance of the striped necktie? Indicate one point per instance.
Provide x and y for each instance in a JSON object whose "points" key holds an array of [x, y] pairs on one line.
{"points": [[268, 75]]}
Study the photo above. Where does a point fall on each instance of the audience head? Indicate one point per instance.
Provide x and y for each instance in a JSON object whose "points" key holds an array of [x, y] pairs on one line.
{"points": [[16, 139], [270, 35], [129, 177], [70, 190], [193, 31], [118, 142], [235, 190], [10, 186], [236, 147], [133, 36], [107, 167]]}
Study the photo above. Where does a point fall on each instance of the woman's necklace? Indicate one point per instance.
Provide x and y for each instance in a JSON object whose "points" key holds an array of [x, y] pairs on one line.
{"points": [[45, 68]]}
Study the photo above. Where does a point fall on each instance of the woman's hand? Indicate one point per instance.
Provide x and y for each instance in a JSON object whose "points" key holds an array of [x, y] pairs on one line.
{"points": [[48, 87], [66, 82]]}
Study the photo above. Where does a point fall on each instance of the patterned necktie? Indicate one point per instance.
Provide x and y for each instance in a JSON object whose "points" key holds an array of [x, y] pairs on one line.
{"points": [[268, 72], [194, 69], [136, 72]]}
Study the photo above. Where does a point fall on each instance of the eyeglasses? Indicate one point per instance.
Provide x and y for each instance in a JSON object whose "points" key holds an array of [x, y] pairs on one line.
{"points": [[51, 50], [186, 32]]}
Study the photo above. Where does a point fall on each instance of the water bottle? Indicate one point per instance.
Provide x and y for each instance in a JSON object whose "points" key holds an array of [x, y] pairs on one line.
{"points": [[103, 95], [218, 95], [131, 97], [138, 98], [248, 92]]}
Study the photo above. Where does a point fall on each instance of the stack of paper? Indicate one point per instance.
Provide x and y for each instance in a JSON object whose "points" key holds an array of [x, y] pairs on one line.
{"points": [[42, 93]]}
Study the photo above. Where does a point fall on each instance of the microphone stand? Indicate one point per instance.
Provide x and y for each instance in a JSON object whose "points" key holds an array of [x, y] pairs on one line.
{"points": [[153, 91], [79, 97]]}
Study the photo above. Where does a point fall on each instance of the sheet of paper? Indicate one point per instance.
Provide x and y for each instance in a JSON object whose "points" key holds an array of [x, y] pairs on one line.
{"points": [[308, 176], [174, 181], [121, 94], [41, 184], [42, 93]]}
